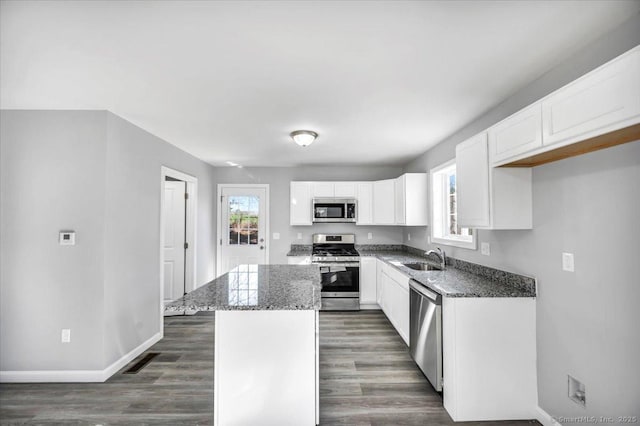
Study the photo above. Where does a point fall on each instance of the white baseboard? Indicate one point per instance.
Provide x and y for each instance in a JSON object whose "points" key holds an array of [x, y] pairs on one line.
{"points": [[544, 418], [85, 376], [369, 306]]}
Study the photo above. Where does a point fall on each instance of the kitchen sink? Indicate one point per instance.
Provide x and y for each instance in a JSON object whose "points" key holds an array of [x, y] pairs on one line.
{"points": [[421, 266]]}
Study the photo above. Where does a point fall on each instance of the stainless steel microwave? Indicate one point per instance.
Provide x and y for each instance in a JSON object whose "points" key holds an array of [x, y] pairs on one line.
{"points": [[334, 210]]}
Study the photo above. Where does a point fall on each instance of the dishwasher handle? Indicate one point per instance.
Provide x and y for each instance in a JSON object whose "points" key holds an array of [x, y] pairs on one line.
{"points": [[431, 295]]}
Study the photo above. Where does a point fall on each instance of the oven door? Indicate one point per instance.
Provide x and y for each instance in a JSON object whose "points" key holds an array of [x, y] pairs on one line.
{"points": [[340, 279]]}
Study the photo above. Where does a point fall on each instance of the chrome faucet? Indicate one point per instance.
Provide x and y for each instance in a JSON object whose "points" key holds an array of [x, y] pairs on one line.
{"points": [[441, 255]]}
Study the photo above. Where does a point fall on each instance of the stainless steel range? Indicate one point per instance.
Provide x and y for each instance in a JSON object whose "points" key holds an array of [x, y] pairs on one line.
{"points": [[339, 263]]}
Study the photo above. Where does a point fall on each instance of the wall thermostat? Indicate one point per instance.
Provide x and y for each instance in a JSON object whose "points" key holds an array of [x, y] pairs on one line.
{"points": [[67, 238]]}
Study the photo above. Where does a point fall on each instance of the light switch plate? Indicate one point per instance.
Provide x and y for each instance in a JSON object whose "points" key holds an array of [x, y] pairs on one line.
{"points": [[370, 236], [276, 235], [67, 238], [567, 262], [408, 236], [299, 236], [65, 335], [485, 248]]}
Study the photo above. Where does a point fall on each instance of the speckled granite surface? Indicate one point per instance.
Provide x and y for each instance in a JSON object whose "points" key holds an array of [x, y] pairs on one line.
{"points": [[257, 287], [460, 279], [380, 247], [300, 250]]}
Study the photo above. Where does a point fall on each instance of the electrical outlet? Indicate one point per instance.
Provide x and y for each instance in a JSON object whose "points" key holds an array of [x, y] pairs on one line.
{"points": [[65, 336], [428, 239], [577, 391], [567, 262], [408, 236], [276, 235], [370, 236], [299, 235], [485, 248]]}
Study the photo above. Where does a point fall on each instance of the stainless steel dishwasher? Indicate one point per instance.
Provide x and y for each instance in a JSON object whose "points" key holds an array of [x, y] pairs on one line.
{"points": [[425, 332]]}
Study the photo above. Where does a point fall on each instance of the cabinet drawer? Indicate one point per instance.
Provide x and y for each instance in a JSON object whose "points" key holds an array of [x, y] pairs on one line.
{"points": [[517, 134], [604, 100], [397, 276]]}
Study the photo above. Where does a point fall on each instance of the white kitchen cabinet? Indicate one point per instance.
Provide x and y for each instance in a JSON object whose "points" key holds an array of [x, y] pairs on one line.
{"points": [[394, 299], [411, 206], [299, 260], [368, 283], [383, 202], [488, 197], [517, 134], [300, 204], [274, 352], [489, 355], [400, 207], [322, 189], [379, 290], [601, 101], [364, 195], [345, 189]]}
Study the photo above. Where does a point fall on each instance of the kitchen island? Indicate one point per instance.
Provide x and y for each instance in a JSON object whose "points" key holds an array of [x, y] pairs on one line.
{"points": [[266, 343]]}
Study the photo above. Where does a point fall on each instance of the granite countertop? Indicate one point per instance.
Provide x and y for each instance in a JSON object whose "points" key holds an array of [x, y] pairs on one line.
{"points": [[462, 279], [300, 250], [256, 287]]}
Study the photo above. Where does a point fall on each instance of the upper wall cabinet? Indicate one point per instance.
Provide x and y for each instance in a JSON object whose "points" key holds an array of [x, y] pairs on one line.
{"points": [[383, 202], [333, 189], [411, 205], [322, 189], [345, 190], [604, 100], [401, 201], [364, 214], [300, 203], [598, 110], [488, 197], [522, 132]]}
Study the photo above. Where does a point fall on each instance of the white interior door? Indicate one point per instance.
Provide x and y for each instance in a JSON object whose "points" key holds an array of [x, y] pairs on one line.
{"points": [[174, 239], [244, 219]]}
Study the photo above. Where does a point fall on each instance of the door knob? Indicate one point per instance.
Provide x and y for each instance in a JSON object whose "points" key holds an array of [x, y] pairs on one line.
{"points": [[262, 240], [261, 247]]}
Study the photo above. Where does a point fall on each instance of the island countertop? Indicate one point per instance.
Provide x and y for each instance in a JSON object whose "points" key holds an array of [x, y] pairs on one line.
{"points": [[256, 287]]}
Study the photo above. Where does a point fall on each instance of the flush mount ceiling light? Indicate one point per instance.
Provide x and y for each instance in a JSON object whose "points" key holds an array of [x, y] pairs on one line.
{"points": [[303, 137]]}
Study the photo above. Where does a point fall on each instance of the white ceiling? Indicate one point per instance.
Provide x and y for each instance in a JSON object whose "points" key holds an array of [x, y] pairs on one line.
{"points": [[380, 81]]}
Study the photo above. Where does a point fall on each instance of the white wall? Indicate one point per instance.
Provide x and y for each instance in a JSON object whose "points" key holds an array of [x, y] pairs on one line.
{"points": [[99, 175], [589, 206], [132, 231], [279, 178], [52, 179]]}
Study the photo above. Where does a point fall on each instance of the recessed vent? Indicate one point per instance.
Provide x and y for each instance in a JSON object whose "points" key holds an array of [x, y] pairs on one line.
{"points": [[140, 364]]}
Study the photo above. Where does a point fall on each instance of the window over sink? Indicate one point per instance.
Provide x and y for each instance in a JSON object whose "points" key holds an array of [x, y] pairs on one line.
{"points": [[444, 212]]}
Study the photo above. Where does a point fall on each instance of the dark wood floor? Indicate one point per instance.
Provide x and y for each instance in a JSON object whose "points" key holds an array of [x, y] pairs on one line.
{"points": [[366, 378]]}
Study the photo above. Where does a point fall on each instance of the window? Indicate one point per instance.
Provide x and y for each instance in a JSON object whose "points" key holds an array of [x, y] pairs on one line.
{"points": [[444, 221], [243, 220]]}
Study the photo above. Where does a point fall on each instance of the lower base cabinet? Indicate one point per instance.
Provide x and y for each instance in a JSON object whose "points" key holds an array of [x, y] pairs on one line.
{"points": [[489, 358], [394, 299], [299, 260], [368, 283], [266, 368]]}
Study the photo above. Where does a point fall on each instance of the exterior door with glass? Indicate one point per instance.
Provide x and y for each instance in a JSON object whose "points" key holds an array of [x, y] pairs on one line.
{"points": [[244, 218]]}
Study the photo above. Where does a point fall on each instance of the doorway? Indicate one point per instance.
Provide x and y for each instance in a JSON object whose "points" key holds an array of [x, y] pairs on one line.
{"points": [[243, 226], [177, 235], [175, 245]]}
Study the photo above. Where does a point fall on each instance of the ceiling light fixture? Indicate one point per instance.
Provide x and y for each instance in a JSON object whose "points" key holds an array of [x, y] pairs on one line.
{"points": [[303, 137]]}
